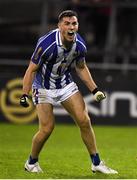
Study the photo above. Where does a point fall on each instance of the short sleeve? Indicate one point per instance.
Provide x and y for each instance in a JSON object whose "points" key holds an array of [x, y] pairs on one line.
{"points": [[82, 55], [36, 56]]}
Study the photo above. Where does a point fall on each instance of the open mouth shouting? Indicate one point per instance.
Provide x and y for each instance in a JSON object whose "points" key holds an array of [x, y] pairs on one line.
{"points": [[71, 35]]}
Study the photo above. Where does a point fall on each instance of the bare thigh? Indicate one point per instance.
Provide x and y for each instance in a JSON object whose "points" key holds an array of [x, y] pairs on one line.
{"points": [[76, 107]]}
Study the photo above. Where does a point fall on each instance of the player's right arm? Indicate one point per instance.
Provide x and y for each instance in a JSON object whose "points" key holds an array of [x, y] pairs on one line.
{"points": [[30, 72], [29, 77], [27, 83]]}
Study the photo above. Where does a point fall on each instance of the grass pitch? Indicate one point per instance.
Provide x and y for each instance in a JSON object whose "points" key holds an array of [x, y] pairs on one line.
{"points": [[65, 156]]}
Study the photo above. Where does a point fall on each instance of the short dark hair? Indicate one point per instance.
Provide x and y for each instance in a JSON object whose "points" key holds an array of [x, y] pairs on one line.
{"points": [[67, 13]]}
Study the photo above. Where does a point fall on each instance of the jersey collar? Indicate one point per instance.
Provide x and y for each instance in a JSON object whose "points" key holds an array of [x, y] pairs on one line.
{"points": [[58, 39]]}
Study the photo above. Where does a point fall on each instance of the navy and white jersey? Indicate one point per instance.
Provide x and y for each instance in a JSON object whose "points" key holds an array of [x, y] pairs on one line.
{"points": [[55, 61]]}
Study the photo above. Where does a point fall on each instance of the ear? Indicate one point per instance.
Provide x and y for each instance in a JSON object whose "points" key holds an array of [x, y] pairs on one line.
{"points": [[59, 25]]}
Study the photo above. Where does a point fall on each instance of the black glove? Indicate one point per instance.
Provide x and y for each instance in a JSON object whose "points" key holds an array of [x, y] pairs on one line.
{"points": [[24, 100], [98, 95]]}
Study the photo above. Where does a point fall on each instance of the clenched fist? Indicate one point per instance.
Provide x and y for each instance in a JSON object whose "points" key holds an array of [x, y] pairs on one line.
{"points": [[24, 100], [98, 95]]}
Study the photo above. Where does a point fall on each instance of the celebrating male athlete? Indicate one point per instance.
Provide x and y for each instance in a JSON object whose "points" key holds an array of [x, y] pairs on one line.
{"points": [[49, 76]]}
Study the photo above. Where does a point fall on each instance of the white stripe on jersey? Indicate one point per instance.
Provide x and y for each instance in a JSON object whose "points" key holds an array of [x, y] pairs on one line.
{"points": [[58, 38], [63, 82], [43, 72], [41, 39], [58, 60], [54, 70], [47, 50], [52, 83], [82, 43], [47, 35]]}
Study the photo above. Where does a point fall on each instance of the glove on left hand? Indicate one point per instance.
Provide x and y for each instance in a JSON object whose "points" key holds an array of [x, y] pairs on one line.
{"points": [[98, 95]]}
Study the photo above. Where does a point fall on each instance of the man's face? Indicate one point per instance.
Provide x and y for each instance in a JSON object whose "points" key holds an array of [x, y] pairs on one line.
{"points": [[68, 27]]}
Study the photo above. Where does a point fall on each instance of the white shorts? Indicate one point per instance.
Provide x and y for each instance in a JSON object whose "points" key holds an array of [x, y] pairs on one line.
{"points": [[54, 96]]}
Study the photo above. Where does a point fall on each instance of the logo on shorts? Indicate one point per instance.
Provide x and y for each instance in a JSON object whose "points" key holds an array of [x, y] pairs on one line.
{"points": [[73, 90]]}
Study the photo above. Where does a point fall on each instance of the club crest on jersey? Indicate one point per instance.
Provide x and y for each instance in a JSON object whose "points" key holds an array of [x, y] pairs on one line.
{"points": [[37, 53]]}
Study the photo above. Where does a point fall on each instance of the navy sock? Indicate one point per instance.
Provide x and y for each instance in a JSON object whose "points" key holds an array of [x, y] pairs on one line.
{"points": [[32, 161], [95, 159]]}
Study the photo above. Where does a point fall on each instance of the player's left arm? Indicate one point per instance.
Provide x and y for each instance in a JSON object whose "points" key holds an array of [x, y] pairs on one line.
{"points": [[85, 75]]}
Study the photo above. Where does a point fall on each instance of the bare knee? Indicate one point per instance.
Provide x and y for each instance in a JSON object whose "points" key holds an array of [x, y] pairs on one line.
{"points": [[84, 121], [47, 129], [84, 124]]}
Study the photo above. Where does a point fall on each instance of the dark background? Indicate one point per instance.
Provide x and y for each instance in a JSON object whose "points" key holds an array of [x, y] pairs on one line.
{"points": [[110, 30]]}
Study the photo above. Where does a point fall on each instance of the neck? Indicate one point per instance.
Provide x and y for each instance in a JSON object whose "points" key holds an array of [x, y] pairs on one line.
{"points": [[67, 44]]}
